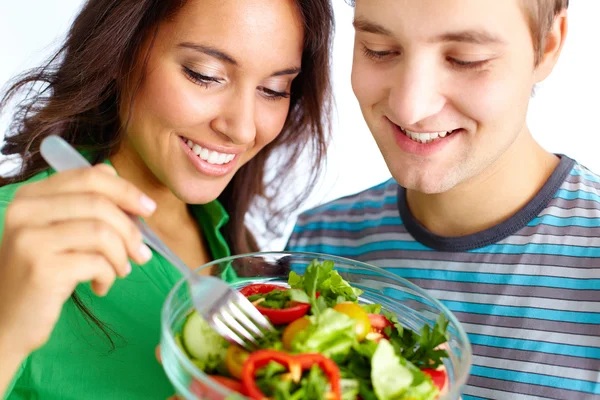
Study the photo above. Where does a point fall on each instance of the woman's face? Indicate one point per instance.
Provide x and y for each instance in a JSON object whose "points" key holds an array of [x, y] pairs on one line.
{"points": [[216, 90]]}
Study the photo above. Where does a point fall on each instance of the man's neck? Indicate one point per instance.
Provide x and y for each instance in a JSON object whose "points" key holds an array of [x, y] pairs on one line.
{"points": [[490, 198]]}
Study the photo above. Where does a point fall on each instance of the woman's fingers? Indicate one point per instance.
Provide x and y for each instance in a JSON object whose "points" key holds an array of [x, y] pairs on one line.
{"points": [[62, 208], [83, 267], [99, 180], [157, 353], [73, 237]]}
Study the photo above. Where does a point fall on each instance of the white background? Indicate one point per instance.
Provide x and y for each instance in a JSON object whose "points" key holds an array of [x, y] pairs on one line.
{"points": [[563, 115]]}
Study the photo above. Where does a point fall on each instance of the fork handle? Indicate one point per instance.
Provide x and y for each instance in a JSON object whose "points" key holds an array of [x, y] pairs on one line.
{"points": [[157, 244], [61, 156]]}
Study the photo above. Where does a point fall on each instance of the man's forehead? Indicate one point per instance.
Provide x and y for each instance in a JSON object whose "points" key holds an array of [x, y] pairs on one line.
{"points": [[441, 20], [474, 36]]}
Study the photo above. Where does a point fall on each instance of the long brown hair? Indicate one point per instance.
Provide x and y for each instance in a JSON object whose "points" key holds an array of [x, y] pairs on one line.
{"points": [[77, 94]]}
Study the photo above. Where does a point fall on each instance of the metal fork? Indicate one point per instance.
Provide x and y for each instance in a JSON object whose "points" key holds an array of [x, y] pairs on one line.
{"points": [[225, 309]]}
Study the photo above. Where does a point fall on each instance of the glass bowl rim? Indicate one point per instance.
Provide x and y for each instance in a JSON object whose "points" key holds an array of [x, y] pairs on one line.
{"points": [[461, 374]]}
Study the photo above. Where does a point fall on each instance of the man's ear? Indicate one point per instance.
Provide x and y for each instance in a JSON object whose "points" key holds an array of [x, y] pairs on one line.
{"points": [[553, 45]]}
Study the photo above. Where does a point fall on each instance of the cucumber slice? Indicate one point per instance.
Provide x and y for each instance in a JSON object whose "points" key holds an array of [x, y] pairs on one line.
{"points": [[179, 344], [203, 343]]}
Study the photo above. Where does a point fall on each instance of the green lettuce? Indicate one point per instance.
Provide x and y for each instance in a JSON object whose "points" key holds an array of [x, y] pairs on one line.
{"points": [[330, 333], [390, 378], [332, 288]]}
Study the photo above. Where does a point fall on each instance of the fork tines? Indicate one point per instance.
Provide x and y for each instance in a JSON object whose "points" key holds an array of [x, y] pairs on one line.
{"points": [[240, 322]]}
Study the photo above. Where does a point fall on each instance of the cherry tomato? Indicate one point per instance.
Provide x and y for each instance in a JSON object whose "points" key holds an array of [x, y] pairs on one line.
{"points": [[290, 332], [357, 313], [234, 359]]}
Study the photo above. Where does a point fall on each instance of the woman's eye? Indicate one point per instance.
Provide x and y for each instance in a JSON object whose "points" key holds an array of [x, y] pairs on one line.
{"points": [[274, 94], [460, 64], [202, 80], [205, 81]]}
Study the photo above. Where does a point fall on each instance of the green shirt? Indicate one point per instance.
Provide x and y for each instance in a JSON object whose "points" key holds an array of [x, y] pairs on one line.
{"points": [[76, 363]]}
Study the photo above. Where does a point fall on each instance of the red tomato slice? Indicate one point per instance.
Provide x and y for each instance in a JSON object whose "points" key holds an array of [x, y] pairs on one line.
{"points": [[438, 376], [379, 322], [276, 316], [260, 288]]}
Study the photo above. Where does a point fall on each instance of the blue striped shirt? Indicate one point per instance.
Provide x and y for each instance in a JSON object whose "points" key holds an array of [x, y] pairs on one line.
{"points": [[527, 291]]}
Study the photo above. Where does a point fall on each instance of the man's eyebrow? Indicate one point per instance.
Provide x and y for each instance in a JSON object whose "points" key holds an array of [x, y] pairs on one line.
{"points": [[468, 36], [210, 51], [363, 25], [465, 36]]}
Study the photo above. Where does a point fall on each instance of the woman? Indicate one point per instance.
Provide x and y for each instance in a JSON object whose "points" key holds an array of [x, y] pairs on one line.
{"points": [[181, 103]]}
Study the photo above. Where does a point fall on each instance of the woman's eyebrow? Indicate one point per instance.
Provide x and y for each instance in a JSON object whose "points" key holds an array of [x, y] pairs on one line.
{"points": [[210, 51]]}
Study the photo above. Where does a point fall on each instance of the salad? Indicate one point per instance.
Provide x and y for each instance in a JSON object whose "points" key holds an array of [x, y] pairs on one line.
{"points": [[326, 346]]}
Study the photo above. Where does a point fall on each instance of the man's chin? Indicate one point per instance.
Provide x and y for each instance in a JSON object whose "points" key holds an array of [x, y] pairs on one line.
{"points": [[424, 183]]}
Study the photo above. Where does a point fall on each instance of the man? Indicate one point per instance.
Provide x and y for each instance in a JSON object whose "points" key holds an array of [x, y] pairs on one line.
{"points": [[501, 231]]}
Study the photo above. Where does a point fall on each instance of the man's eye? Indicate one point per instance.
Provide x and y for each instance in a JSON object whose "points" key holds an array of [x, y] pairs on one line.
{"points": [[460, 64], [377, 55]]}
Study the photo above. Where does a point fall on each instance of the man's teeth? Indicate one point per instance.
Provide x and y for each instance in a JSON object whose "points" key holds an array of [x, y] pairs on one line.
{"points": [[425, 137], [210, 156]]}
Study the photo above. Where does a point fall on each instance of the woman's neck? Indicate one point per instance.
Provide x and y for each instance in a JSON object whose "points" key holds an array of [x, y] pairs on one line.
{"points": [[490, 198], [171, 212], [172, 221]]}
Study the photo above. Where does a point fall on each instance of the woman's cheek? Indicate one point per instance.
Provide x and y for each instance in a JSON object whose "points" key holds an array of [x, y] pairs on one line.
{"points": [[175, 100], [270, 119]]}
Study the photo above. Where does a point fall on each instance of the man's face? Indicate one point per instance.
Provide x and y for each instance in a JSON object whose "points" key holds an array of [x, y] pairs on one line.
{"points": [[443, 85]]}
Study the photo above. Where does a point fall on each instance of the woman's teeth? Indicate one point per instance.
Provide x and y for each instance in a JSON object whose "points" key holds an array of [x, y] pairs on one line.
{"points": [[210, 156], [425, 137]]}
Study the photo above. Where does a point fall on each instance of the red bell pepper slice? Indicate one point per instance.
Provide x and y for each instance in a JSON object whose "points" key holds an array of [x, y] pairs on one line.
{"points": [[276, 316], [295, 364]]}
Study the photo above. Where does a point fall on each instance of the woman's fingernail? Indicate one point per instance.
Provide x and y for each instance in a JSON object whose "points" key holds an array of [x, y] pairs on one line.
{"points": [[127, 268], [147, 203], [145, 252]]}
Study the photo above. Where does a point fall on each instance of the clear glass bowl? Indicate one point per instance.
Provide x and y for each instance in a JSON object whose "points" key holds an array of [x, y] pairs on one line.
{"points": [[413, 306]]}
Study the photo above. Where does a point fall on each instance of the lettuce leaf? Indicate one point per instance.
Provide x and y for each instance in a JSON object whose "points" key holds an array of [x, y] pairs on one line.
{"points": [[390, 378], [322, 278], [331, 333], [273, 382]]}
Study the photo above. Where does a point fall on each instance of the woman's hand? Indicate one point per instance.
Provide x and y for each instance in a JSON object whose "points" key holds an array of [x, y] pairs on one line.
{"points": [[59, 232]]}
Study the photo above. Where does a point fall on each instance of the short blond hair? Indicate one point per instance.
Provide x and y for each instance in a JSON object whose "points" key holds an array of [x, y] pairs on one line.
{"points": [[540, 15]]}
